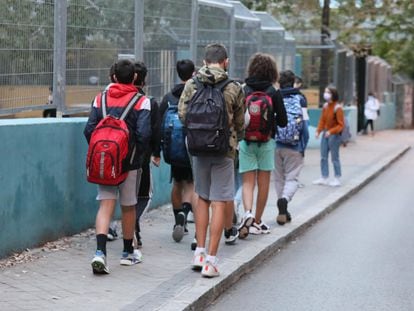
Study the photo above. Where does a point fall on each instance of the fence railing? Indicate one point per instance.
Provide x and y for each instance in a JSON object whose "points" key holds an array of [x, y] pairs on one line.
{"points": [[69, 45]]}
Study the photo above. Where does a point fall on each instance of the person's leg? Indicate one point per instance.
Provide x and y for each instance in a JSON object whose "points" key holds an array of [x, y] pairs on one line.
{"points": [[334, 144], [249, 181], [230, 232], [279, 173], [128, 201], [103, 218], [263, 181], [324, 157], [293, 166], [216, 226], [201, 221]]}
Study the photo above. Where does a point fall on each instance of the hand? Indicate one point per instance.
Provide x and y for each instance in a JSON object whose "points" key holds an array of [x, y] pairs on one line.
{"points": [[317, 134], [156, 161], [327, 134]]}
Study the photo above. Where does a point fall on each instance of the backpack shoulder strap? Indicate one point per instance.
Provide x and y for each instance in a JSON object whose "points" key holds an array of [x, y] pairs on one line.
{"points": [[198, 83], [133, 101], [222, 84], [103, 104], [172, 99]]}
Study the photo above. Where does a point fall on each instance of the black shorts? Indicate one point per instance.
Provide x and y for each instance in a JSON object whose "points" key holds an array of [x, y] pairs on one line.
{"points": [[179, 173]]}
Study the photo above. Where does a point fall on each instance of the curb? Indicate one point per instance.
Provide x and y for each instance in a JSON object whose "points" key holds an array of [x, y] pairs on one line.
{"points": [[305, 220]]}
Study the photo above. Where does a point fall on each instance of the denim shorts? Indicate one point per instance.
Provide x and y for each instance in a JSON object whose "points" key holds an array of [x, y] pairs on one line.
{"points": [[256, 156], [127, 191]]}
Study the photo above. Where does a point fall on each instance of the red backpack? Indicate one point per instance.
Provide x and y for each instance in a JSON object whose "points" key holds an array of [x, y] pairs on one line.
{"points": [[109, 146], [260, 108]]}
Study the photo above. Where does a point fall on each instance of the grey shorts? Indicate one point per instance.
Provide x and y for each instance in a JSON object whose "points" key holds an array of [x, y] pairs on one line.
{"points": [[214, 178], [127, 191]]}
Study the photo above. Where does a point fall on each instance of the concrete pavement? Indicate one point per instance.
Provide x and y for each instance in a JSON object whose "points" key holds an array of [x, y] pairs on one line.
{"points": [[59, 277]]}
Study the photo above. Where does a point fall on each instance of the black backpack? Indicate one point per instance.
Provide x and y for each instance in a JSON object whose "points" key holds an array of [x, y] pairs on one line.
{"points": [[206, 120]]}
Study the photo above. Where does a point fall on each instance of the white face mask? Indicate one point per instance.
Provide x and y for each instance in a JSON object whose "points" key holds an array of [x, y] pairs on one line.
{"points": [[327, 96]]}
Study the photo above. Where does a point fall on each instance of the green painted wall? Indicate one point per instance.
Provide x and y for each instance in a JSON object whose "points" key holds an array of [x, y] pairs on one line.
{"points": [[44, 194]]}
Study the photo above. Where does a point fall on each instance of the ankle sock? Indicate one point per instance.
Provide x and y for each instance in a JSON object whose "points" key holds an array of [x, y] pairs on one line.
{"points": [[128, 246], [212, 259], [199, 250], [101, 242]]}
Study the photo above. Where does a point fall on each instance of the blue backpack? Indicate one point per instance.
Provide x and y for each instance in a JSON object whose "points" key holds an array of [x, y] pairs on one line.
{"points": [[290, 135], [173, 145]]}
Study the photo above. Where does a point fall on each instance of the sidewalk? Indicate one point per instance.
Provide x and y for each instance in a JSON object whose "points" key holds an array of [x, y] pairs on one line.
{"points": [[61, 279]]}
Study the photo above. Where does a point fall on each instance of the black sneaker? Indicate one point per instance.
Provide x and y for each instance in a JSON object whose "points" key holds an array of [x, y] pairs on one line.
{"points": [[178, 230], [281, 219], [194, 244], [231, 235], [112, 235]]}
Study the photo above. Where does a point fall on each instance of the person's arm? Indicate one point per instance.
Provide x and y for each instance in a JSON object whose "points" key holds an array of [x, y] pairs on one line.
{"points": [[279, 109], [93, 120], [239, 114], [322, 121], [155, 141], [188, 92], [143, 128]]}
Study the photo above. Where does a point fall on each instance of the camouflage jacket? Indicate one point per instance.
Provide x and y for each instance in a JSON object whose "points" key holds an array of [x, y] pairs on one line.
{"points": [[233, 96]]}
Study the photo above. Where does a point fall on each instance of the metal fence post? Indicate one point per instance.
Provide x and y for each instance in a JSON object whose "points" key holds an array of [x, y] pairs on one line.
{"points": [[139, 30], [59, 56], [232, 50], [194, 30]]}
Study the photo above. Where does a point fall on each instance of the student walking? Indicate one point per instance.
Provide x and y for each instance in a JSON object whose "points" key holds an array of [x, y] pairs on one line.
{"points": [[175, 151], [330, 126], [256, 150], [118, 96], [151, 154], [371, 112], [290, 146], [213, 103]]}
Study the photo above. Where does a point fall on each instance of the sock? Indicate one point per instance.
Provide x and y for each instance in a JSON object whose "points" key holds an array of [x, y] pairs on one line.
{"points": [[128, 246], [101, 242], [212, 259], [199, 250], [176, 211], [187, 208]]}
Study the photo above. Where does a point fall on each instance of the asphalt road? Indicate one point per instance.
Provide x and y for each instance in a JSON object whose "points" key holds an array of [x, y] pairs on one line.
{"points": [[359, 257]]}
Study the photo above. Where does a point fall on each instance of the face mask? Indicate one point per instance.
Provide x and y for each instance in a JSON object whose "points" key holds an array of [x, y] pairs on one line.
{"points": [[327, 96]]}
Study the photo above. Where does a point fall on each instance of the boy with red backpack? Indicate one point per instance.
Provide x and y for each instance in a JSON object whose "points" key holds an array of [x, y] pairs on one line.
{"points": [[256, 152], [108, 107]]}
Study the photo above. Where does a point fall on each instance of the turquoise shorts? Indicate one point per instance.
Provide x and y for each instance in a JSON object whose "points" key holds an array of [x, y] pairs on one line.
{"points": [[256, 156]]}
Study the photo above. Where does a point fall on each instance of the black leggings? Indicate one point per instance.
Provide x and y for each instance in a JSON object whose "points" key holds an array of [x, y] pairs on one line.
{"points": [[367, 123]]}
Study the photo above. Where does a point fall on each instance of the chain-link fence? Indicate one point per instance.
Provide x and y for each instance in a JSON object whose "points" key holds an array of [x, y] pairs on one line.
{"points": [[68, 46]]}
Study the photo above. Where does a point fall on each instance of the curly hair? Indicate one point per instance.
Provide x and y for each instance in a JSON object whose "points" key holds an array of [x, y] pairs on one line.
{"points": [[263, 67]]}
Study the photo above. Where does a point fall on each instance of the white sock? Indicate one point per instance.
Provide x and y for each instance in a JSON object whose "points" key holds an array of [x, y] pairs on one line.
{"points": [[212, 259], [199, 250]]}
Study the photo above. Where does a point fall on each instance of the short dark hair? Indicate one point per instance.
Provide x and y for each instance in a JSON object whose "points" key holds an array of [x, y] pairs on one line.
{"points": [[185, 69], [298, 80], [215, 53], [263, 67], [124, 71], [334, 92], [141, 71], [286, 79], [112, 73]]}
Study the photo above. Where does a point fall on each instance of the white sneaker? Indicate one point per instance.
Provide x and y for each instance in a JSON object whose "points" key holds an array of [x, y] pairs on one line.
{"points": [[198, 262], [335, 182], [246, 222], [257, 229], [321, 181], [210, 270], [128, 259]]}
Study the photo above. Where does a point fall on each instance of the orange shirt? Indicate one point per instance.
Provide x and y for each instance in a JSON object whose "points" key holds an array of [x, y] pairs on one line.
{"points": [[331, 119]]}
